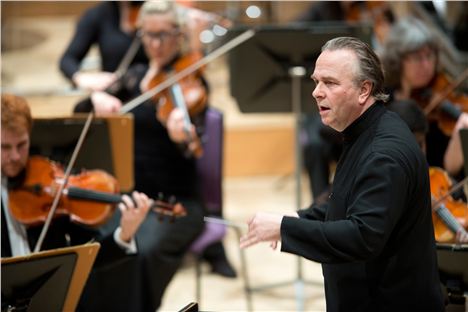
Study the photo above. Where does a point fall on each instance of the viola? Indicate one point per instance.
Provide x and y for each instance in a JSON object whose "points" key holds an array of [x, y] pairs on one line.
{"points": [[450, 215], [188, 94], [89, 198], [449, 104]]}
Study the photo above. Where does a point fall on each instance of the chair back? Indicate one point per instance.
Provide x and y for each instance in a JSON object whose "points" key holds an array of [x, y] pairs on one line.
{"points": [[210, 164]]}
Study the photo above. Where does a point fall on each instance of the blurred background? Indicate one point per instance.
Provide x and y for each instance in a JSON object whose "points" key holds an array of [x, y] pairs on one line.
{"points": [[259, 147]]}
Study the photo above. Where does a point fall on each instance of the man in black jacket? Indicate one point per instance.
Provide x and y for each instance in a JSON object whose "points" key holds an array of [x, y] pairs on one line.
{"points": [[374, 235]]}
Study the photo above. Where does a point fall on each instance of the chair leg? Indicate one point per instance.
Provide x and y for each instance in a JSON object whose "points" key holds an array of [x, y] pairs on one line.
{"points": [[198, 262], [245, 276]]}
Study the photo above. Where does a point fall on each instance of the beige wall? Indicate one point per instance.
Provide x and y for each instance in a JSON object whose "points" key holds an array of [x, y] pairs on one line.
{"points": [[43, 8]]}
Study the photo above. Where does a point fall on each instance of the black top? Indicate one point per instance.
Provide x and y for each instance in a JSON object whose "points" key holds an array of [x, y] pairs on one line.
{"points": [[99, 25], [377, 244]]}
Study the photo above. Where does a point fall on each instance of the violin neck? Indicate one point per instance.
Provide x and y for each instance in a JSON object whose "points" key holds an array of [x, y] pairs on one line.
{"points": [[451, 110], [448, 218], [179, 101], [84, 194]]}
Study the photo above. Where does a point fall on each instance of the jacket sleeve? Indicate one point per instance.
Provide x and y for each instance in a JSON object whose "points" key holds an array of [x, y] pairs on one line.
{"points": [[368, 212], [314, 212], [110, 253], [84, 37]]}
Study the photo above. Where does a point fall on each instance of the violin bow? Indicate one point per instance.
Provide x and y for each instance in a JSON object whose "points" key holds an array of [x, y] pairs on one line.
{"points": [[70, 165], [441, 96], [187, 71], [128, 57], [132, 104]]}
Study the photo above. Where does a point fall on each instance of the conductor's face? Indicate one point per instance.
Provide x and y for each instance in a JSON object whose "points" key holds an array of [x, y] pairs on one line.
{"points": [[15, 151], [336, 92]]}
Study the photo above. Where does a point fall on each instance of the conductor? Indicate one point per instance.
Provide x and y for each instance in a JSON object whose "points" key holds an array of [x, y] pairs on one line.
{"points": [[374, 235]]}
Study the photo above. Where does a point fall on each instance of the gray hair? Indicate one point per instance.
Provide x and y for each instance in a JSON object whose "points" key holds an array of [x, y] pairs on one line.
{"points": [[406, 36], [369, 64]]}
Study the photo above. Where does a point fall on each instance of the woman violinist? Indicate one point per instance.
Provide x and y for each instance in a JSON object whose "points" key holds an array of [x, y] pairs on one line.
{"points": [[163, 161], [111, 26], [410, 60], [18, 239]]}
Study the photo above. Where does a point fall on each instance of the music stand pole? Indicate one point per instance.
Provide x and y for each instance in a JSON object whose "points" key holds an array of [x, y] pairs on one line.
{"points": [[297, 73]]}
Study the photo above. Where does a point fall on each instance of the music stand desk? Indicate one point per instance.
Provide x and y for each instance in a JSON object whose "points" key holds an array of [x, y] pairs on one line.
{"points": [[51, 280]]}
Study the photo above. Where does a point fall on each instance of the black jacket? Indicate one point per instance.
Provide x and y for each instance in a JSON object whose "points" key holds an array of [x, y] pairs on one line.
{"points": [[374, 236]]}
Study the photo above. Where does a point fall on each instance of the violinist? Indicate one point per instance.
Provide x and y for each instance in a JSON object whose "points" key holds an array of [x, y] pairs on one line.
{"points": [[414, 117], [18, 239], [410, 60], [111, 26], [163, 159]]}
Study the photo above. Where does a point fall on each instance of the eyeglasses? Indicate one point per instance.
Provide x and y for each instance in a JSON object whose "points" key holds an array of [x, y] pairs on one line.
{"points": [[161, 36], [419, 57]]}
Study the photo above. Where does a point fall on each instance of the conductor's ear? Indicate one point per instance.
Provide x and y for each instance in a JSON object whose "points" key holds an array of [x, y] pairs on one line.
{"points": [[365, 92]]}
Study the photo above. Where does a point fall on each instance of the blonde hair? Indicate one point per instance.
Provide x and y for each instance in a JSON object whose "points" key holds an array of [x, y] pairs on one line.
{"points": [[16, 114], [160, 7]]}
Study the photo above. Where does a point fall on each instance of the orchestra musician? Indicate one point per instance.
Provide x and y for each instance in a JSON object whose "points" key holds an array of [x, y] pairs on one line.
{"points": [[416, 120], [19, 240], [375, 229], [410, 60], [164, 156], [112, 26]]}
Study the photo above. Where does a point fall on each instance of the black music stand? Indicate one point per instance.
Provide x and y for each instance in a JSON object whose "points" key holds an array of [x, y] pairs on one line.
{"points": [[453, 270], [51, 280], [56, 139], [270, 73]]}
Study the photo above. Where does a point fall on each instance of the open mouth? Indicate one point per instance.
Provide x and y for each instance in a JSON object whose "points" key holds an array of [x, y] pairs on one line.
{"points": [[323, 108]]}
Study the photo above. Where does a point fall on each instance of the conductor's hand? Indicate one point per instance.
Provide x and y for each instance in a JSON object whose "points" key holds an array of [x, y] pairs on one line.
{"points": [[263, 227], [133, 213]]}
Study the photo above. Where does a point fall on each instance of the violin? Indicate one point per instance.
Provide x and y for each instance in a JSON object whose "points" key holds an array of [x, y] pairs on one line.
{"points": [[450, 104], [89, 198], [450, 216], [188, 94]]}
